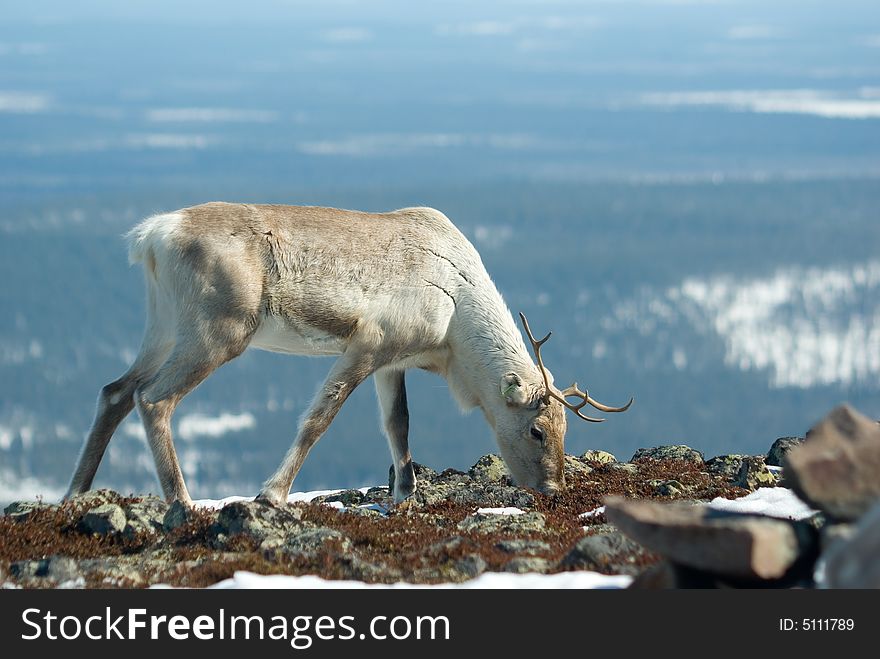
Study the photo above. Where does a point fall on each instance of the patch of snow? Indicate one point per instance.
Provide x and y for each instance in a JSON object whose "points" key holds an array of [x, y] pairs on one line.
{"points": [[293, 497], [487, 580], [592, 513], [500, 511], [771, 501]]}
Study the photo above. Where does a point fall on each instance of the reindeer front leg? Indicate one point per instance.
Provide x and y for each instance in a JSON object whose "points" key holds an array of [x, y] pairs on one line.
{"points": [[352, 368]]}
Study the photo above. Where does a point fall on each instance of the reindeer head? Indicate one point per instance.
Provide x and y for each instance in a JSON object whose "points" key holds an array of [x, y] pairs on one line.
{"points": [[531, 435]]}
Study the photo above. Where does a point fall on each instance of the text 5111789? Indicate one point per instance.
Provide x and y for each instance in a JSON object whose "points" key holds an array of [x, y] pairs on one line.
{"points": [[816, 624]]}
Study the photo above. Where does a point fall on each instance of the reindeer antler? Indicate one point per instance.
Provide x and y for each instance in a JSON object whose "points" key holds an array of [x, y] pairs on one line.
{"points": [[568, 391]]}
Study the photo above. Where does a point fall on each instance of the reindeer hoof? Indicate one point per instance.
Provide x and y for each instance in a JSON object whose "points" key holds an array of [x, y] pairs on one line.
{"points": [[271, 499]]}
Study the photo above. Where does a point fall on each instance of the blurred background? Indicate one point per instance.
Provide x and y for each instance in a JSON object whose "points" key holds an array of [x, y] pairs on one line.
{"points": [[685, 192]]}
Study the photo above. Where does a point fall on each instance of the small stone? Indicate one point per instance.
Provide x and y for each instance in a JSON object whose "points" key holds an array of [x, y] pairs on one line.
{"points": [[259, 520], [489, 469], [523, 547], [346, 497], [313, 541], [574, 467], [491, 495], [513, 524], [378, 494], [470, 566], [29, 569], [730, 544], [145, 516], [851, 562], [602, 457], [527, 564], [780, 449], [726, 466], [667, 488], [607, 552], [627, 468], [837, 467], [753, 473], [105, 519], [673, 452], [177, 515]]}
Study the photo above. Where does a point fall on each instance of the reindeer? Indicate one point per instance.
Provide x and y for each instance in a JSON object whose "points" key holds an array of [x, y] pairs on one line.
{"points": [[383, 291]]}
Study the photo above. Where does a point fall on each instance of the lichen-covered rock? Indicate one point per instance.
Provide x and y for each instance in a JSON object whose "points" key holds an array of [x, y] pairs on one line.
{"points": [[470, 566], [144, 516], [28, 569], [346, 497], [379, 494], [672, 452], [575, 467], [21, 511], [627, 468], [780, 449], [312, 541], [667, 488], [510, 524], [63, 569], [489, 469], [602, 457], [358, 569], [605, 552], [753, 473], [493, 495], [837, 468], [105, 519], [523, 547], [177, 515], [527, 564], [260, 521], [94, 498], [726, 466]]}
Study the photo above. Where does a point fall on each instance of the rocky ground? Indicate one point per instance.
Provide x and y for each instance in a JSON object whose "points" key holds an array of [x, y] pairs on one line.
{"points": [[653, 529]]}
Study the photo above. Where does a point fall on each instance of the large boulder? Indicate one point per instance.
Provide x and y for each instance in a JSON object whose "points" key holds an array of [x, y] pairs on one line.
{"points": [[729, 544], [837, 468]]}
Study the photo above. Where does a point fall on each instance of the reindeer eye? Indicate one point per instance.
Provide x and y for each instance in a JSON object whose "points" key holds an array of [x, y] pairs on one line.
{"points": [[537, 433]]}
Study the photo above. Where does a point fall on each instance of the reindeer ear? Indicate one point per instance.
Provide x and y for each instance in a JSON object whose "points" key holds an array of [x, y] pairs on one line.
{"points": [[512, 389]]}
